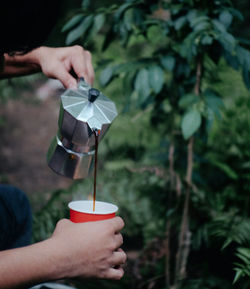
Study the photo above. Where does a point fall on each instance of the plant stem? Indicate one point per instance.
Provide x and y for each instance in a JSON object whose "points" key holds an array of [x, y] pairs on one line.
{"points": [[197, 87], [168, 223], [185, 234]]}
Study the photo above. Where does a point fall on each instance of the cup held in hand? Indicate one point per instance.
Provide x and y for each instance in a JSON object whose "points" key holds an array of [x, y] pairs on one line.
{"points": [[82, 211]]}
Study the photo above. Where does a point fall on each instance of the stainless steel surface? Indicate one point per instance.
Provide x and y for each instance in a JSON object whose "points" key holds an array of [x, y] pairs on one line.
{"points": [[69, 163], [82, 111]]}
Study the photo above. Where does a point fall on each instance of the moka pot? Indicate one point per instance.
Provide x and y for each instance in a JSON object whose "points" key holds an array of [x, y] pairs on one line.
{"points": [[84, 112]]}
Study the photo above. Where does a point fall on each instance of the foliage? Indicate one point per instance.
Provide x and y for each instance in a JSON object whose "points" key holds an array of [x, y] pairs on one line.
{"points": [[242, 269], [180, 33]]}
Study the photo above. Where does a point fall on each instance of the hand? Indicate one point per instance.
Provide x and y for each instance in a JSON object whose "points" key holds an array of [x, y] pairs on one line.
{"points": [[56, 63], [89, 249], [60, 62]]}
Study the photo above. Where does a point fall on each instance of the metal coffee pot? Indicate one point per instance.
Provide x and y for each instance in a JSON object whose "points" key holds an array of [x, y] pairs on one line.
{"points": [[84, 112]]}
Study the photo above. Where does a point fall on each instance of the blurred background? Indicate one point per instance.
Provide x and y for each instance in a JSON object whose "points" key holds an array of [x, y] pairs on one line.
{"points": [[176, 160]]}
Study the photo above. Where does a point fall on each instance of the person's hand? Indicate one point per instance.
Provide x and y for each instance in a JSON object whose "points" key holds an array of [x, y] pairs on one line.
{"points": [[65, 64], [89, 249], [59, 63]]}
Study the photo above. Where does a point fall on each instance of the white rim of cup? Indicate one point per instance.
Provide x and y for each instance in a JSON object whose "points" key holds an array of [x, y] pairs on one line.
{"points": [[101, 208]]}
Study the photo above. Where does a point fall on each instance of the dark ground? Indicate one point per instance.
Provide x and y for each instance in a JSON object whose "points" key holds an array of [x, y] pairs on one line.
{"points": [[29, 124]]}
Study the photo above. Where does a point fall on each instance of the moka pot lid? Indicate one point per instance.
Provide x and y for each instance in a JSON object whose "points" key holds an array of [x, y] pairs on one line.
{"points": [[89, 105]]}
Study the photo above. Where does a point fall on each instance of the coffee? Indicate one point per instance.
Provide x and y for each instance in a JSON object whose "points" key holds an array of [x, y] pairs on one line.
{"points": [[96, 133]]}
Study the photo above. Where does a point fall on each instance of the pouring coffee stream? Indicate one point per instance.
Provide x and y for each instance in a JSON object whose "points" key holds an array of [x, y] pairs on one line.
{"points": [[85, 117], [95, 168]]}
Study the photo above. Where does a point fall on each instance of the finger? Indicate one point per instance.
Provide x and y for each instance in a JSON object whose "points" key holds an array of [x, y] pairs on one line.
{"points": [[65, 77], [117, 223], [90, 69], [118, 258], [82, 66], [115, 274], [118, 240]]}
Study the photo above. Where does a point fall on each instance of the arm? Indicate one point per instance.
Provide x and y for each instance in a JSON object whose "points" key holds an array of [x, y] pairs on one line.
{"points": [[75, 250], [19, 65], [53, 62], [27, 266]]}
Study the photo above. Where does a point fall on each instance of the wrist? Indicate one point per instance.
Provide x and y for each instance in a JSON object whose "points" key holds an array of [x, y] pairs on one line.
{"points": [[54, 257], [45, 261], [18, 65], [35, 56], [61, 262]]}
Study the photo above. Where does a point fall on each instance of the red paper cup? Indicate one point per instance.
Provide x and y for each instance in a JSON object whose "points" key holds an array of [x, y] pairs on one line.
{"points": [[82, 211]]}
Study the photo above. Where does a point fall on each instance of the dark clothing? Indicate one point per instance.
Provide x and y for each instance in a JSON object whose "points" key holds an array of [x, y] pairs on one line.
{"points": [[15, 218]]}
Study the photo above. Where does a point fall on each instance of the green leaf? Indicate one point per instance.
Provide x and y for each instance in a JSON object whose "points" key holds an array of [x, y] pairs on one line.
{"points": [[214, 102], [207, 40], [242, 54], [242, 269], [246, 76], [85, 4], [124, 34], [187, 100], [227, 242], [191, 122], [142, 84], [138, 16], [228, 41], [99, 21], [79, 30], [244, 252], [236, 13], [219, 26], [226, 169], [188, 47], [155, 34], [226, 18], [192, 14], [166, 106], [179, 22], [243, 255], [168, 62], [128, 89], [197, 20], [156, 78], [209, 119], [237, 276], [121, 10], [201, 26], [129, 18], [106, 75], [231, 59], [127, 67], [72, 22], [175, 8]]}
